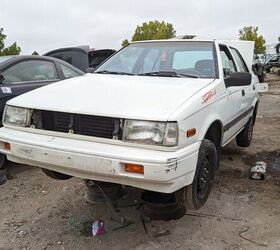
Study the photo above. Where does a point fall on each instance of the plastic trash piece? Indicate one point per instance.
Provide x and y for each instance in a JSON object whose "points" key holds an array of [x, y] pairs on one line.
{"points": [[98, 228], [258, 171]]}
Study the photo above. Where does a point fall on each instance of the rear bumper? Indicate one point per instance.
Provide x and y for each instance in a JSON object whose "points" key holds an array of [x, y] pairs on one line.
{"points": [[163, 171]]}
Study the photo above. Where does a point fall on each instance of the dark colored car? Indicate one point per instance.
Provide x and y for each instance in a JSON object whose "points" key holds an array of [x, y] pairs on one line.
{"points": [[20, 74], [81, 57], [273, 61]]}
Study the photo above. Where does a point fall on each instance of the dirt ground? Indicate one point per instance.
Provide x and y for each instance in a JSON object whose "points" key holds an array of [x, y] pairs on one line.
{"points": [[41, 213]]}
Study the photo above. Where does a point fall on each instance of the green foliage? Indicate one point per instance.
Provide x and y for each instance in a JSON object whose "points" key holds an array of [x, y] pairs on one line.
{"points": [[152, 30], [250, 33], [125, 42], [14, 49]]}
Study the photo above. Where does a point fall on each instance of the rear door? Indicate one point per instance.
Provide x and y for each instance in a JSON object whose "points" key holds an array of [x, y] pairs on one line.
{"points": [[25, 75]]}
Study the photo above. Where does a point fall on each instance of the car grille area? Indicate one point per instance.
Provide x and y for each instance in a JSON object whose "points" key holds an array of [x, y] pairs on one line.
{"points": [[98, 126]]}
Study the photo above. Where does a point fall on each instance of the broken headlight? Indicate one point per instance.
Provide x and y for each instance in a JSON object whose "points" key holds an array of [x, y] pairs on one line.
{"points": [[17, 116], [149, 132]]}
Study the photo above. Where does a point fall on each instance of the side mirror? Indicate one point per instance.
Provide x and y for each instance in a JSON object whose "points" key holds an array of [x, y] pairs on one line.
{"points": [[238, 79], [90, 70]]}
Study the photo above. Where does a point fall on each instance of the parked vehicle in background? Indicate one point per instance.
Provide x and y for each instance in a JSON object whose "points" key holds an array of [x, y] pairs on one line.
{"points": [[273, 61], [154, 116], [20, 74], [261, 58], [258, 67], [81, 57]]}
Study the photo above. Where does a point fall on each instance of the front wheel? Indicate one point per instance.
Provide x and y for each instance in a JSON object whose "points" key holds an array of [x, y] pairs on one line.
{"points": [[197, 193]]}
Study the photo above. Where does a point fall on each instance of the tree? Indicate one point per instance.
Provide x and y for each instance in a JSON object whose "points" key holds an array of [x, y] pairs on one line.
{"points": [[250, 33], [152, 30], [125, 42], [13, 49]]}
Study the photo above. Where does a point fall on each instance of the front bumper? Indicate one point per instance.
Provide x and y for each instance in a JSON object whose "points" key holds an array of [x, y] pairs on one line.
{"points": [[163, 171]]}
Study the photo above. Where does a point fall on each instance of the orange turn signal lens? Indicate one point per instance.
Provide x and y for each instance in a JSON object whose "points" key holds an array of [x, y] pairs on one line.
{"points": [[134, 168], [7, 146], [191, 132]]}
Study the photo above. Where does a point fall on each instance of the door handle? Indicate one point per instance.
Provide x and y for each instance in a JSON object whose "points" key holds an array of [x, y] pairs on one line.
{"points": [[243, 92]]}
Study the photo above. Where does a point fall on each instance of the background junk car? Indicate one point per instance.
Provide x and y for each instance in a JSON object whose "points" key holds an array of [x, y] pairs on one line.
{"points": [[20, 74], [82, 57], [153, 116]]}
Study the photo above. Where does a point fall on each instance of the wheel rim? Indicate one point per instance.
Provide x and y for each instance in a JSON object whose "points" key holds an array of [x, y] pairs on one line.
{"points": [[203, 179]]}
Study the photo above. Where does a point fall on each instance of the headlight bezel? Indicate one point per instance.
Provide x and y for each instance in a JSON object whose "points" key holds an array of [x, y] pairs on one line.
{"points": [[16, 116], [147, 126]]}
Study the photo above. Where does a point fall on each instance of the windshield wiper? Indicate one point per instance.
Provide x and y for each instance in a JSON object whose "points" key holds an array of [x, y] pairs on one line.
{"points": [[112, 72], [167, 74]]}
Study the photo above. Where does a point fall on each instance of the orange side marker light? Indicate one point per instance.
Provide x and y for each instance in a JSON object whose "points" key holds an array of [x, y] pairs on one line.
{"points": [[191, 132], [134, 168], [7, 146]]}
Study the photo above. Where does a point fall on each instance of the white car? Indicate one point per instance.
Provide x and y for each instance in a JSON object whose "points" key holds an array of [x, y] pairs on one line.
{"points": [[153, 116]]}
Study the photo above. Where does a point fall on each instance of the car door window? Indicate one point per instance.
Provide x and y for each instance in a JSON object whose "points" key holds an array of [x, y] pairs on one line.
{"points": [[227, 61], [239, 60], [30, 71], [67, 72]]}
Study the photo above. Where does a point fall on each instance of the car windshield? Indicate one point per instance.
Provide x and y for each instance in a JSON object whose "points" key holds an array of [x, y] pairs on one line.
{"points": [[166, 59]]}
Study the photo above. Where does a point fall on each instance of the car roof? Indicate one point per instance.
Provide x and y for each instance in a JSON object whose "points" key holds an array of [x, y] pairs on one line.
{"points": [[48, 58]]}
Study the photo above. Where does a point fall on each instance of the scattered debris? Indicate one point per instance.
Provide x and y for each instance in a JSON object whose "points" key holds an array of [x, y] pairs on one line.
{"points": [[112, 211], [94, 194], [80, 225], [143, 223], [98, 228], [213, 216], [258, 171], [230, 158], [161, 233], [250, 196], [161, 206], [263, 244]]}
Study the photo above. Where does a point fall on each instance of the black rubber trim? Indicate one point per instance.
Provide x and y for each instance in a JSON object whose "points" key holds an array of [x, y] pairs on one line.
{"points": [[237, 119]]}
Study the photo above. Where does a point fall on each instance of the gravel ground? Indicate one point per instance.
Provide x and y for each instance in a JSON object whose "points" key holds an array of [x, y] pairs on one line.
{"points": [[41, 213]]}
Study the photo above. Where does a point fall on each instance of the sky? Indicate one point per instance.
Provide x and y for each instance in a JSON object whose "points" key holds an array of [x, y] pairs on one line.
{"points": [[43, 25]]}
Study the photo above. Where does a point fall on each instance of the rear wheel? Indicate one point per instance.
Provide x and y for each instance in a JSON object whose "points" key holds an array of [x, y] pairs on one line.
{"points": [[56, 175], [197, 193]]}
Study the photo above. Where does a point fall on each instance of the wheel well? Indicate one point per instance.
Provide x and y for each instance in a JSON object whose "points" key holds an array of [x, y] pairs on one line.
{"points": [[214, 133]]}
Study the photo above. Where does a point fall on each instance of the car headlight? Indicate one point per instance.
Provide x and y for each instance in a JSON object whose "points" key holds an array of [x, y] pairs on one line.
{"points": [[17, 116], [149, 132]]}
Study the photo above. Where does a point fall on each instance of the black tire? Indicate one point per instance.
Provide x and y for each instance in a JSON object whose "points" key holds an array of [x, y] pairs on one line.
{"points": [[261, 78], [2, 160], [56, 175], [197, 193], [244, 138]]}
